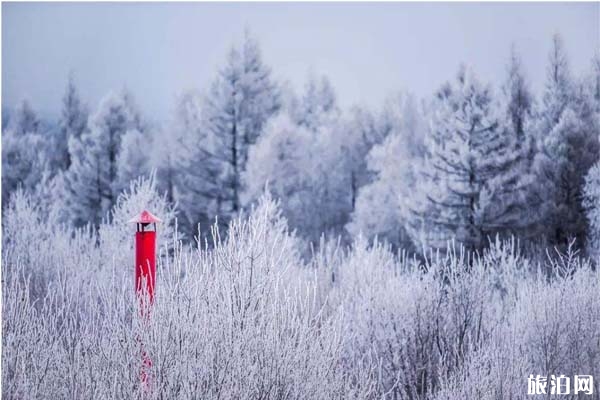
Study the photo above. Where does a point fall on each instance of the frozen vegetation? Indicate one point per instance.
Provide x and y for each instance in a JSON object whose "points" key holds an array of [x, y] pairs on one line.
{"points": [[471, 161], [249, 317], [437, 248]]}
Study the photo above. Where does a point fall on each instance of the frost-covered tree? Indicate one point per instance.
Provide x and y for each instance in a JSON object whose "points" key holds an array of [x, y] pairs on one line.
{"points": [[23, 162], [318, 104], [132, 161], [303, 160], [166, 150], [73, 123], [591, 202], [360, 132], [140, 194], [192, 173], [92, 179], [593, 81], [518, 103], [378, 211], [380, 207], [241, 100], [24, 151], [24, 119], [558, 90], [470, 184], [301, 167], [87, 187], [568, 146], [6, 112]]}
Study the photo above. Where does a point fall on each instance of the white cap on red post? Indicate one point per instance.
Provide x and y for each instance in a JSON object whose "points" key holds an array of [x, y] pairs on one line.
{"points": [[146, 217]]}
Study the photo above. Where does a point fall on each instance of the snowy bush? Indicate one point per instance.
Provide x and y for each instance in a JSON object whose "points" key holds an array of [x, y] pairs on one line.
{"points": [[116, 234], [247, 317], [231, 322]]}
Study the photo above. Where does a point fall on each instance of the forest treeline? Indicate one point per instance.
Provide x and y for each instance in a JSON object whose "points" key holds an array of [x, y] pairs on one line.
{"points": [[470, 162]]}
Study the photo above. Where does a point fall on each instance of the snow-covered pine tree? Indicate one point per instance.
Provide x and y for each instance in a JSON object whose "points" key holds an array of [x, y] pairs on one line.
{"points": [[558, 91], [567, 130], [304, 164], [361, 134], [23, 151], [318, 105], [192, 172], [6, 113], [240, 102], [133, 159], [73, 122], [518, 104], [591, 190], [304, 169], [398, 147], [594, 81], [23, 162], [166, 151], [91, 180], [85, 182], [591, 203], [469, 186], [277, 163], [25, 119]]}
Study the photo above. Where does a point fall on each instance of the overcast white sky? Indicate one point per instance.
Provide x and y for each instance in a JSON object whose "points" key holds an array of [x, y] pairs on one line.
{"points": [[367, 50]]}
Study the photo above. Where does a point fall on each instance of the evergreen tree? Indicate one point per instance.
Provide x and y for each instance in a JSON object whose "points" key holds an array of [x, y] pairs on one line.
{"points": [[302, 161], [240, 102], [304, 169], [23, 162], [23, 151], [518, 104], [318, 105], [568, 146], [166, 151], [361, 134], [558, 90], [594, 82], [591, 203], [24, 120], [87, 189], [398, 146], [470, 185], [132, 161], [194, 179], [91, 181], [73, 123], [6, 113]]}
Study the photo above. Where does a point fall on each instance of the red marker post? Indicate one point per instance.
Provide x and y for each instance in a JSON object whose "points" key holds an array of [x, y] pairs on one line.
{"points": [[145, 272]]}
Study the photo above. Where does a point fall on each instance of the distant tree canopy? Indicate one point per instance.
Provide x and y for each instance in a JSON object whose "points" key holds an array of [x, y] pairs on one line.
{"points": [[468, 163]]}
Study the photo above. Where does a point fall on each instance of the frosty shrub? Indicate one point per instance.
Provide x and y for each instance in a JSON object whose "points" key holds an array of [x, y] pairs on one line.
{"points": [[551, 327], [116, 234], [229, 322], [591, 201], [246, 317]]}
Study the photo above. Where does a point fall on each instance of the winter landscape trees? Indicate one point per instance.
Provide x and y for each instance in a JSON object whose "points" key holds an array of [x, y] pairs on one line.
{"points": [[471, 162], [468, 187], [568, 146], [342, 253]]}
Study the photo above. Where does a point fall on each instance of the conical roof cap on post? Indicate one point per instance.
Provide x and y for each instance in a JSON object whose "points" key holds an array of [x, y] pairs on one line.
{"points": [[146, 217]]}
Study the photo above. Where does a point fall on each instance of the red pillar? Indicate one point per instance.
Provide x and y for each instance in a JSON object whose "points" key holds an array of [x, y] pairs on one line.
{"points": [[145, 265], [145, 276]]}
